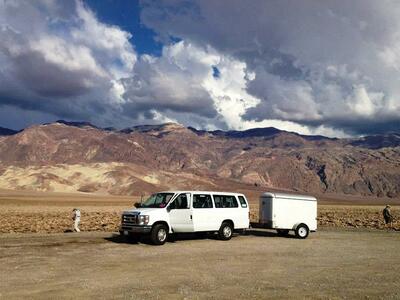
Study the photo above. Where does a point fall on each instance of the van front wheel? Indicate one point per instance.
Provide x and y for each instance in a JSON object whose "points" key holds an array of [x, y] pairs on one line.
{"points": [[225, 232], [302, 231], [159, 234]]}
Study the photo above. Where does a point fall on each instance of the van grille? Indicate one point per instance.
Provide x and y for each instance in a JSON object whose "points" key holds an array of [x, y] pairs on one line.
{"points": [[129, 220]]}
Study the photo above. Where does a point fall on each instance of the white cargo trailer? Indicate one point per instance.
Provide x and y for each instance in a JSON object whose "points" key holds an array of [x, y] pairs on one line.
{"points": [[286, 212]]}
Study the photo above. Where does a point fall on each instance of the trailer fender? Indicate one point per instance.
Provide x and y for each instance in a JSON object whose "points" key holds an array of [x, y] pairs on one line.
{"points": [[297, 224]]}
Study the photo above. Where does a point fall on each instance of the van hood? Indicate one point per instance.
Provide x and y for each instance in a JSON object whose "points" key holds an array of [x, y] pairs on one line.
{"points": [[141, 211]]}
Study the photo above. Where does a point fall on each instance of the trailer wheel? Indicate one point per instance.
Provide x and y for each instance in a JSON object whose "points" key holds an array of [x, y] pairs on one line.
{"points": [[159, 234], [302, 231], [225, 232], [282, 232]]}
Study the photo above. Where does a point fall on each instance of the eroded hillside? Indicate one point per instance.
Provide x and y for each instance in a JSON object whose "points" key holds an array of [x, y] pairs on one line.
{"points": [[65, 157]]}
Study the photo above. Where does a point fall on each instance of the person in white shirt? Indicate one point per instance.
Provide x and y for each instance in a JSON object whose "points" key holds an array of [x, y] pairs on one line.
{"points": [[77, 218]]}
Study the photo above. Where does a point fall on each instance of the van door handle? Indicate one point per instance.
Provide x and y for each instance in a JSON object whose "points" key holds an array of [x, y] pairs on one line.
{"points": [[191, 217]]}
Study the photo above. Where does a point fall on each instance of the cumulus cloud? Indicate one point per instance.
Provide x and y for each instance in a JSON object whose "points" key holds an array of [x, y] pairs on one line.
{"points": [[172, 82], [329, 64], [314, 68], [182, 85], [57, 58]]}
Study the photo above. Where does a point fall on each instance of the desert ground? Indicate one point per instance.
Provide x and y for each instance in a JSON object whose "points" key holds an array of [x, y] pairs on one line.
{"points": [[46, 212], [330, 264], [352, 255]]}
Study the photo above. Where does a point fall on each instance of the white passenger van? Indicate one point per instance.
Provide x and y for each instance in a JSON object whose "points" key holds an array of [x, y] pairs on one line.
{"points": [[285, 212], [187, 211]]}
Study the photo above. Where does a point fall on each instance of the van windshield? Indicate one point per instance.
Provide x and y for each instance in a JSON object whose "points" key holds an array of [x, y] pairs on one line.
{"points": [[158, 200]]}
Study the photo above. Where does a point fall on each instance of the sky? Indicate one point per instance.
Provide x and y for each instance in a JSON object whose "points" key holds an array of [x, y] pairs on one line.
{"points": [[313, 67]]}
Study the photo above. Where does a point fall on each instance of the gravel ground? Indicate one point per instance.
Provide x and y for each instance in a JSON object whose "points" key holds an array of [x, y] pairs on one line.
{"points": [[330, 264]]}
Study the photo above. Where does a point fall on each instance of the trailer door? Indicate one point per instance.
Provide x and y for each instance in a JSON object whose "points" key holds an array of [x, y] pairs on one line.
{"points": [[266, 210]]}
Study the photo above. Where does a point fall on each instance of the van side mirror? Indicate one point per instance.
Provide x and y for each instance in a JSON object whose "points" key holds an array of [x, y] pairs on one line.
{"points": [[168, 208], [137, 204]]}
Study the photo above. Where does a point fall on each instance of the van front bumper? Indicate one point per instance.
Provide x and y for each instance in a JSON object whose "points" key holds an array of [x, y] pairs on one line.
{"points": [[135, 229]]}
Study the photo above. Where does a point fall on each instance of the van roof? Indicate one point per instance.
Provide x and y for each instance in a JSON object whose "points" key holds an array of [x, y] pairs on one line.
{"points": [[289, 196], [202, 192]]}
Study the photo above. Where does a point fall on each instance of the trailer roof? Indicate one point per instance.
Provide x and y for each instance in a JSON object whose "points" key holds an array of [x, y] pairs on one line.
{"points": [[289, 196]]}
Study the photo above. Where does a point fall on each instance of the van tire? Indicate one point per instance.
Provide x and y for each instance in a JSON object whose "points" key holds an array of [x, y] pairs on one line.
{"points": [[225, 232], [159, 234], [302, 231], [282, 232]]}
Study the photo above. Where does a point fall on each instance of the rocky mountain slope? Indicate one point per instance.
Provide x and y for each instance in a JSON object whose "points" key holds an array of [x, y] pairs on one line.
{"points": [[65, 156]]}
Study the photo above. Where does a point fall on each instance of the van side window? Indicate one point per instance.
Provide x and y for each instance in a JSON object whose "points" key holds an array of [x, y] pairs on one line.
{"points": [[202, 201], [243, 202], [224, 201], [181, 202], [218, 201]]}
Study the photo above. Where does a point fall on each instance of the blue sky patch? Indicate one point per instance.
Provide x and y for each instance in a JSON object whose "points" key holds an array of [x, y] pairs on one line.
{"points": [[126, 15]]}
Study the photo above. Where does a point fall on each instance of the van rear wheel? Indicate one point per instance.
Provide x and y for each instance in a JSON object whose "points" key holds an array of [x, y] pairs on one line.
{"points": [[226, 231], [159, 234], [302, 231]]}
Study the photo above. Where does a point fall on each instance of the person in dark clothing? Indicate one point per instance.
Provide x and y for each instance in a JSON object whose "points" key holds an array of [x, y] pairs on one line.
{"points": [[387, 216]]}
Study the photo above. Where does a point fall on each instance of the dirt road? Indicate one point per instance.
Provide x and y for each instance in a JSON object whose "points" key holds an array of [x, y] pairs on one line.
{"points": [[329, 264]]}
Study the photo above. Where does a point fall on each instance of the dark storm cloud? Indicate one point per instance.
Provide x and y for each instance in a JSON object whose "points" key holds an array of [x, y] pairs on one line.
{"points": [[329, 63], [58, 60], [304, 65], [39, 61]]}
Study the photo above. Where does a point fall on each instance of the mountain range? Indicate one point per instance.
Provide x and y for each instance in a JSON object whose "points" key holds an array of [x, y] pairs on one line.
{"points": [[81, 157], [6, 131]]}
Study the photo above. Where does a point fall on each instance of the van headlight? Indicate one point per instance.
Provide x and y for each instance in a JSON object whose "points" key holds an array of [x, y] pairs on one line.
{"points": [[143, 220]]}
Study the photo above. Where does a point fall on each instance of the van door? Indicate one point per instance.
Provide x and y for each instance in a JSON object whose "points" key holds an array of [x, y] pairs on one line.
{"points": [[203, 213], [180, 216]]}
